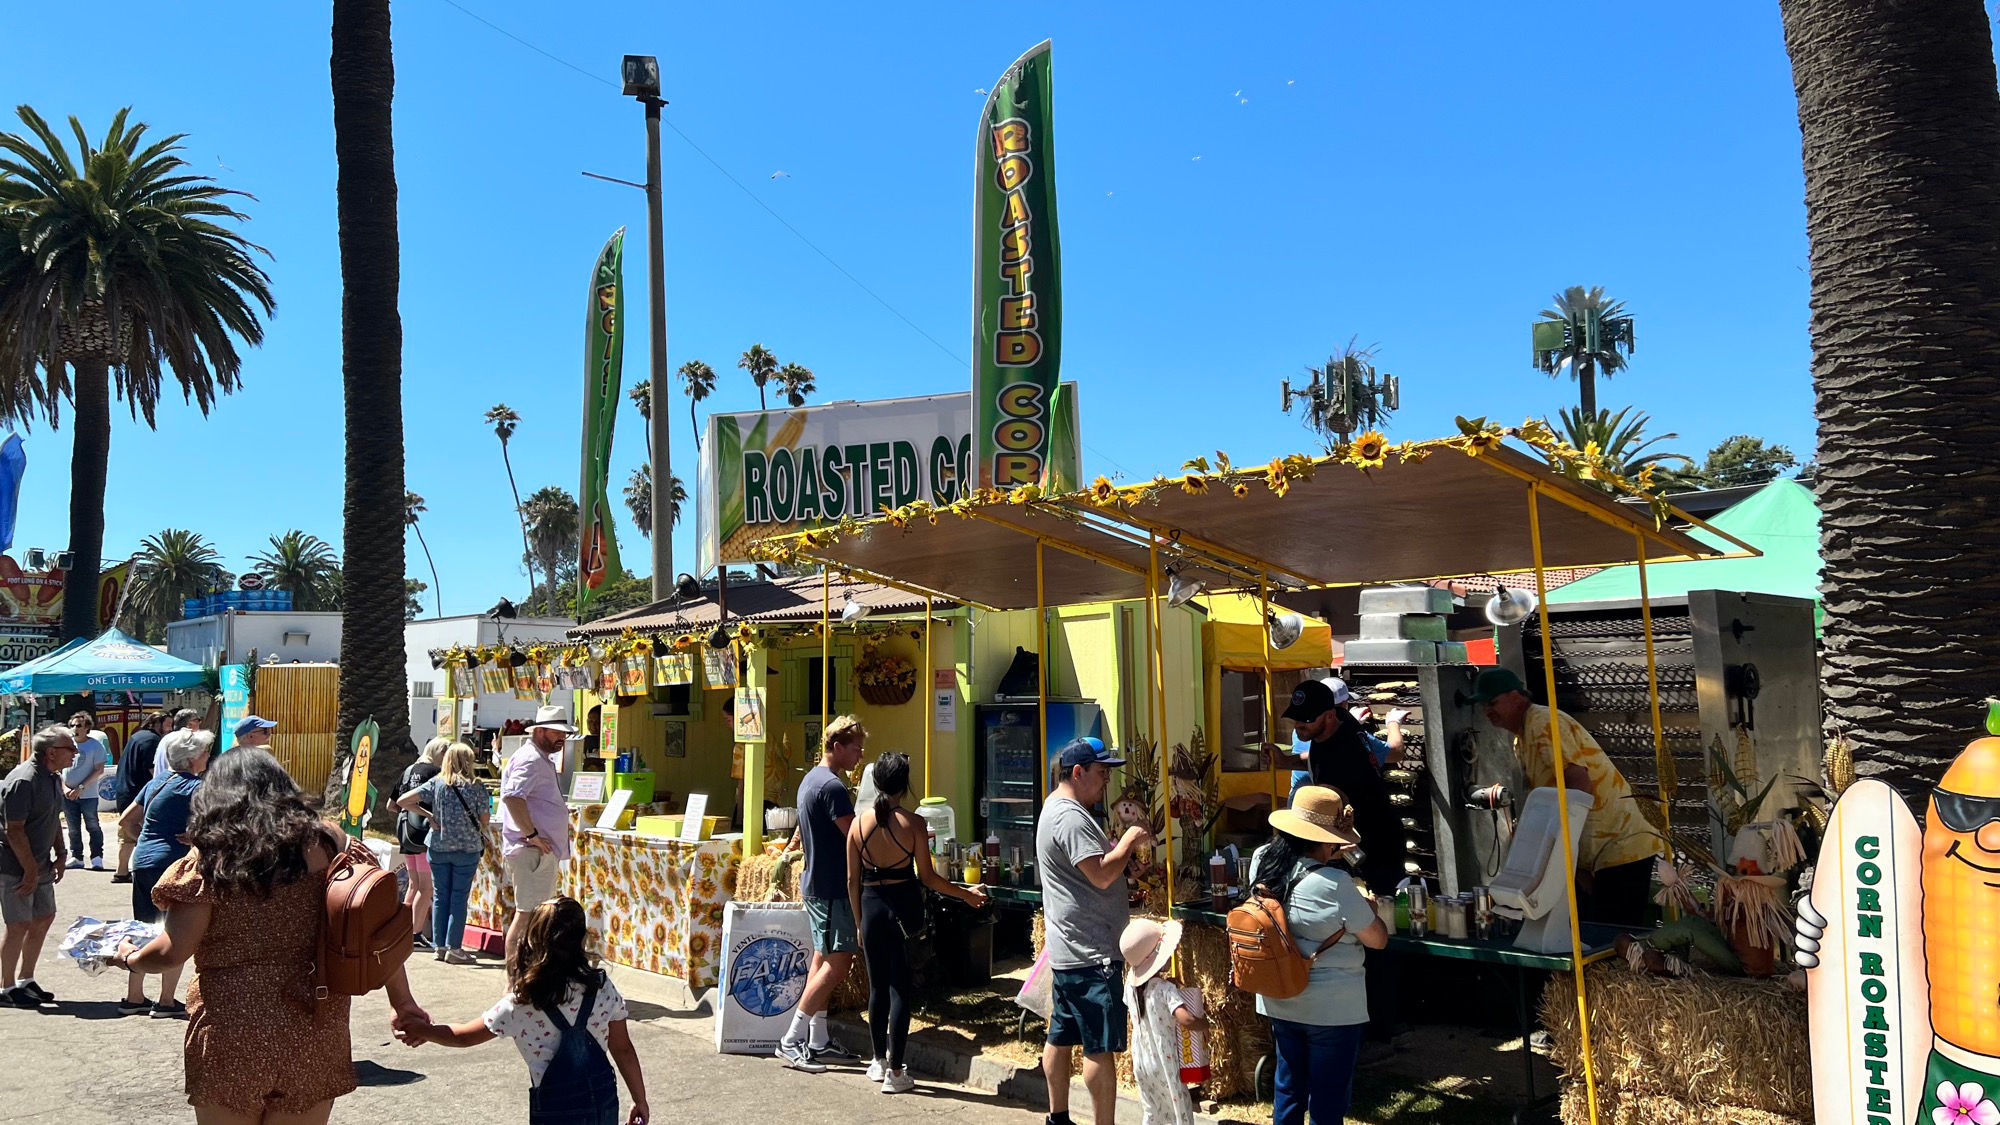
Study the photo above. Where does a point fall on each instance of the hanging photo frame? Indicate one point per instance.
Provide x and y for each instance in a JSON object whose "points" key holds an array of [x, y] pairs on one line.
{"points": [[677, 739], [671, 669], [607, 678], [545, 678], [718, 668], [464, 681], [634, 673]]}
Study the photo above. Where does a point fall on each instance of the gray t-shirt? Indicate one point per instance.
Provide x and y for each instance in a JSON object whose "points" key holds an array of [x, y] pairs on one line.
{"points": [[1081, 922], [1323, 900], [823, 800], [91, 756], [31, 797]]}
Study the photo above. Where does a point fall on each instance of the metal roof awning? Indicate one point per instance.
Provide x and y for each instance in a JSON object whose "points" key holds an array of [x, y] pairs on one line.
{"points": [[1444, 515]]}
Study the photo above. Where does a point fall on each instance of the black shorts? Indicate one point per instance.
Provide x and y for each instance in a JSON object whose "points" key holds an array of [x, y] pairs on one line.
{"points": [[1089, 1009], [144, 879]]}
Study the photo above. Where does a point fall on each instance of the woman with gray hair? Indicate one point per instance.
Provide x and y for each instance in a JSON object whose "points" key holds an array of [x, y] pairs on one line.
{"points": [[158, 816]]}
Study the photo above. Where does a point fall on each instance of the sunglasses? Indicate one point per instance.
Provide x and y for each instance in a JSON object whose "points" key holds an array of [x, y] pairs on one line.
{"points": [[1961, 813]]}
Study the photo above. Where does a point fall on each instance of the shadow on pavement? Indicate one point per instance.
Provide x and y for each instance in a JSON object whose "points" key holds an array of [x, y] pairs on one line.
{"points": [[87, 1010], [369, 1073]]}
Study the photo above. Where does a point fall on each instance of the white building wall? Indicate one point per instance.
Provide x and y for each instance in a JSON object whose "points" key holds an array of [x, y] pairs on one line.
{"points": [[489, 709], [231, 638]]}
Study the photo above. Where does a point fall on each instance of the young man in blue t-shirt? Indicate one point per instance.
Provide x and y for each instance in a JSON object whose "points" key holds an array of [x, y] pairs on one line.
{"points": [[825, 811]]}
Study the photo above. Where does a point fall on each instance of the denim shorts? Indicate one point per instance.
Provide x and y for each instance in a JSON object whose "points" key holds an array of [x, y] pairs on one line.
{"points": [[832, 922], [1089, 1009]]}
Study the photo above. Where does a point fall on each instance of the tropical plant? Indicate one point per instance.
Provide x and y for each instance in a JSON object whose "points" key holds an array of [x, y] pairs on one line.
{"points": [[172, 566], [698, 380], [553, 525], [373, 682], [1584, 334], [639, 499], [303, 566], [413, 599], [503, 419], [798, 383], [761, 365], [115, 269], [1899, 119], [1619, 442], [413, 507], [1738, 460]]}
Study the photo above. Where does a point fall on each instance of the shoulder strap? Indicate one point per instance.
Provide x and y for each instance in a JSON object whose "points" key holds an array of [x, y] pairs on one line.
{"points": [[464, 804], [1305, 870]]}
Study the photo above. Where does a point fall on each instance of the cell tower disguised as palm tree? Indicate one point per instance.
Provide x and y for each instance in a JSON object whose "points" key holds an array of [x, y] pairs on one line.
{"points": [[115, 269], [1585, 334], [1345, 395]]}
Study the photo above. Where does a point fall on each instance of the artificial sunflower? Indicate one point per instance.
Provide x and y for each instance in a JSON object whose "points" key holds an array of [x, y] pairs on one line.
{"points": [[1370, 450], [1194, 484], [744, 632], [896, 517], [1240, 491], [1103, 492], [1480, 443], [1025, 494], [1275, 478], [1646, 478]]}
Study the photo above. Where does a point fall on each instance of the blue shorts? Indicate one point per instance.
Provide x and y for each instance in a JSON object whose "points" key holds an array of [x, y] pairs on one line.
{"points": [[1089, 1009], [832, 922]]}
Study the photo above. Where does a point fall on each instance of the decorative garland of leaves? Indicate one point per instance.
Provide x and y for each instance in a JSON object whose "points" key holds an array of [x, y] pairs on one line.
{"points": [[610, 650]]}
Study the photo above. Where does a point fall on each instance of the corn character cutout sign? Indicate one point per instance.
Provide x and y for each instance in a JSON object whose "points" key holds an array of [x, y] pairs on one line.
{"points": [[1901, 937], [357, 799]]}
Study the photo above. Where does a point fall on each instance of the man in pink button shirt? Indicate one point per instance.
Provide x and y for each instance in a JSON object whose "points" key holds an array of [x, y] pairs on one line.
{"points": [[534, 825]]}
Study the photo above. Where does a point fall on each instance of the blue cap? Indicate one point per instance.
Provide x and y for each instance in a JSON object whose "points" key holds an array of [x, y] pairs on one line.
{"points": [[1085, 752], [252, 722]]}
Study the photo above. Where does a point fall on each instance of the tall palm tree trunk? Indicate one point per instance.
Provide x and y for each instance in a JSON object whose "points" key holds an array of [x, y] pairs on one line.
{"points": [[371, 330], [1901, 128], [694, 423], [90, 458], [527, 550], [437, 591]]}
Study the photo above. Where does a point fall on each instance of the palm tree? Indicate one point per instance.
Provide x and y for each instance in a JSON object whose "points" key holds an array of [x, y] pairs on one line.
{"points": [[552, 519], [761, 365], [303, 566], [172, 566], [372, 678], [639, 498], [503, 419], [1585, 334], [115, 268], [641, 395], [413, 507], [698, 380], [798, 383], [1900, 124], [1620, 440]]}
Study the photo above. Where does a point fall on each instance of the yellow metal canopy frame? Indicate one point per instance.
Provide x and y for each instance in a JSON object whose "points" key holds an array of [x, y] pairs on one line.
{"points": [[1452, 512]]}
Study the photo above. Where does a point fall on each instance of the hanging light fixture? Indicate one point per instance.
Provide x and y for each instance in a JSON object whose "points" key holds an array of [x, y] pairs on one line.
{"points": [[1285, 629], [718, 638], [1181, 591], [686, 587], [851, 610], [1509, 606]]}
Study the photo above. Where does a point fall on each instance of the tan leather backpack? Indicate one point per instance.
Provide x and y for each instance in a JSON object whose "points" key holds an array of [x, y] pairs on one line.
{"points": [[365, 933]]}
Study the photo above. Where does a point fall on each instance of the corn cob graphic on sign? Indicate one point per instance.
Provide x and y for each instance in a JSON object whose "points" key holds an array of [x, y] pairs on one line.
{"points": [[1904, 988]]}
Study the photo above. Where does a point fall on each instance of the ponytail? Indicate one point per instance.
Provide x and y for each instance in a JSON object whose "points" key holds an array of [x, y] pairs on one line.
{"points": [[892, 781]]}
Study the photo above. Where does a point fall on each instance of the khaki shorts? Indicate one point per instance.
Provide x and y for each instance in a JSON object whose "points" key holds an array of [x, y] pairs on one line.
{"points": [[17, 909], [533, 874]]}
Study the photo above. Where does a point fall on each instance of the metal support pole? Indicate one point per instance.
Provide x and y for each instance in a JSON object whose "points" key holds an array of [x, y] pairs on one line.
{"points": [[1562, 795], [1041, 679], [929, 689], [1663, 762], [825, 652], [659, 426], [1270, 715], [1159, 730]]}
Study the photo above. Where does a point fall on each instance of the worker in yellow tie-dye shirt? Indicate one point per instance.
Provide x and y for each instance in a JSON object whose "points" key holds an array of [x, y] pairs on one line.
{"points": [[1614, 867]]}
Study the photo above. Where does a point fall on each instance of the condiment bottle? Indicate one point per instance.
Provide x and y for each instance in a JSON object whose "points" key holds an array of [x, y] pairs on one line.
{"points": [[1218, 883], [973, 874]]}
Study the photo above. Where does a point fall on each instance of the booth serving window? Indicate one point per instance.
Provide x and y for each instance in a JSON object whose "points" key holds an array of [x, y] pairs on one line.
{"points": [[801, 674], [1243, 718], [677, 701]]}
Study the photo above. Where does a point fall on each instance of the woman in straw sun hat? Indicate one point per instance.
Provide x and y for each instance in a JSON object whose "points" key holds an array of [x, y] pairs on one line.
{"points": [[1159, 1011], [1317, 1034]]}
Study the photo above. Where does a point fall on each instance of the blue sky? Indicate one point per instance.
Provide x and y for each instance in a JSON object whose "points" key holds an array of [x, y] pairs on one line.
{"points": [[1423, 181]]}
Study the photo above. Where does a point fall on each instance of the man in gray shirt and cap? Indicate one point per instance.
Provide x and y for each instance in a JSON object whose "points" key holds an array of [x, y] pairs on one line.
{"points": [[31, 862], [1085, 905]]}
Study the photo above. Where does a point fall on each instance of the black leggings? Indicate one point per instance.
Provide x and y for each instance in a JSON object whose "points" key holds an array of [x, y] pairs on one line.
{"points": [[886, 912]]}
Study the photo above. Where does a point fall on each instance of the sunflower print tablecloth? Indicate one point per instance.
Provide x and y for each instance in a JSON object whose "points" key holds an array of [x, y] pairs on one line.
{"points": [[652, 904]]}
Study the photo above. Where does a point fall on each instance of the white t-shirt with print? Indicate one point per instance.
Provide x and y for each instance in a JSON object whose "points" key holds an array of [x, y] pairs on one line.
{"points": [[537, 1036]]}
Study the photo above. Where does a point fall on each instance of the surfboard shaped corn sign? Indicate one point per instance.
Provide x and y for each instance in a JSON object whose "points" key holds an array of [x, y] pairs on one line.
{"points": [[1904, 985]]}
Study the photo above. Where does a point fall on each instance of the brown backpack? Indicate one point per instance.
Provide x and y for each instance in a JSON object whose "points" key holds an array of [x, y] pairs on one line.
{"points": [[365, 932], [1263, 958]]}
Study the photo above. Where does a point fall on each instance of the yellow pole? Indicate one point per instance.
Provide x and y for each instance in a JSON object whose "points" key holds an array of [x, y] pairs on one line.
{"points": [[1662, 760], [1041, 679], [929, 688], [1562, 794], [825, 655], [1270, 716], [1160, 729]]}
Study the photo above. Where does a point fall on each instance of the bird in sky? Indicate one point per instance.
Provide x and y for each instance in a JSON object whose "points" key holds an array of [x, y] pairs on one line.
{"points": [[981, 90], [1196, 158], [781, 175], [1242, 101], [221, 165], [1291, 81]]}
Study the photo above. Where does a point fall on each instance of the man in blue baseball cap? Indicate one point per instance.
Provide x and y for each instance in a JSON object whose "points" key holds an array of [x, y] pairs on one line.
{"points": [[254, 730], [1085, 906]]}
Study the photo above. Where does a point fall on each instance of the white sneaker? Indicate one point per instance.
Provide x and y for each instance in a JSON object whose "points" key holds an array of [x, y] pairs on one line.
{"points": [[97, 864], [877, 1070], [898, 1081]]}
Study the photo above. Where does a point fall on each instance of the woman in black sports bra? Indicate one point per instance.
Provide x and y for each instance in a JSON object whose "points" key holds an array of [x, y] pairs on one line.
{"points": [[887, 869]]}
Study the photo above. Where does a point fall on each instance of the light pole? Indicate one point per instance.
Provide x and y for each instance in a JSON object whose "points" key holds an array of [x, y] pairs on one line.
{"points": [[642, 81]]}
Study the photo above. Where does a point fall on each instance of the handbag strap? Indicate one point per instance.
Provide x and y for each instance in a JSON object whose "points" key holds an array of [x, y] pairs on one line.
{"points": [[1298, 876], [467, 806]]}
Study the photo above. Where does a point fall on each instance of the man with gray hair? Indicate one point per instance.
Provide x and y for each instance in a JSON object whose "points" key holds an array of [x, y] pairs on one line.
{"points": [[184, 720], [31, 803]]}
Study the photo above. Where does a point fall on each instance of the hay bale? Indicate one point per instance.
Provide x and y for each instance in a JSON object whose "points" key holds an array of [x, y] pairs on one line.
{"points": [[1717, 1047], [1653, 1109], [763, 878]]}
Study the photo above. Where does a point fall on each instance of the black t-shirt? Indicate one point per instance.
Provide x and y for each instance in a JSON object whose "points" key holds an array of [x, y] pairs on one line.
{"points": [[1342, 762], [413, 831], [135, 765]]}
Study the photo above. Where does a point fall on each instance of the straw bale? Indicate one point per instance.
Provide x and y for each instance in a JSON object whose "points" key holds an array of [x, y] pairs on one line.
{"points": [[1237, 1035], [1720, 1047], [1654, 1109]]}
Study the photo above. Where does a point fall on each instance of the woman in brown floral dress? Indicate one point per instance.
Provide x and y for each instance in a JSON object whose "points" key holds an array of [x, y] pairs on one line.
{"points": [[246, 904]]}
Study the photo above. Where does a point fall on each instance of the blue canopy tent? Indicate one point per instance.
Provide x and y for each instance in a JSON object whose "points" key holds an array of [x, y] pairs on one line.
{"points": [[114, 661]]}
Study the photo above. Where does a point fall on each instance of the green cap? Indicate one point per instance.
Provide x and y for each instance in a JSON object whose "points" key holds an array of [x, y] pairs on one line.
{"points": [[1494, 683]]}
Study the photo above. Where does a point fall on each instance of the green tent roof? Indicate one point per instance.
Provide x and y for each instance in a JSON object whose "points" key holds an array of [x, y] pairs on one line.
{"points": [[1780, 520]]}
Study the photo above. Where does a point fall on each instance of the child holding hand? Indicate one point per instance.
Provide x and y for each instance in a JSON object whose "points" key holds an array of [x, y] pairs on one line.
{"points": [[568, 1020], [1160, 1013]]}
